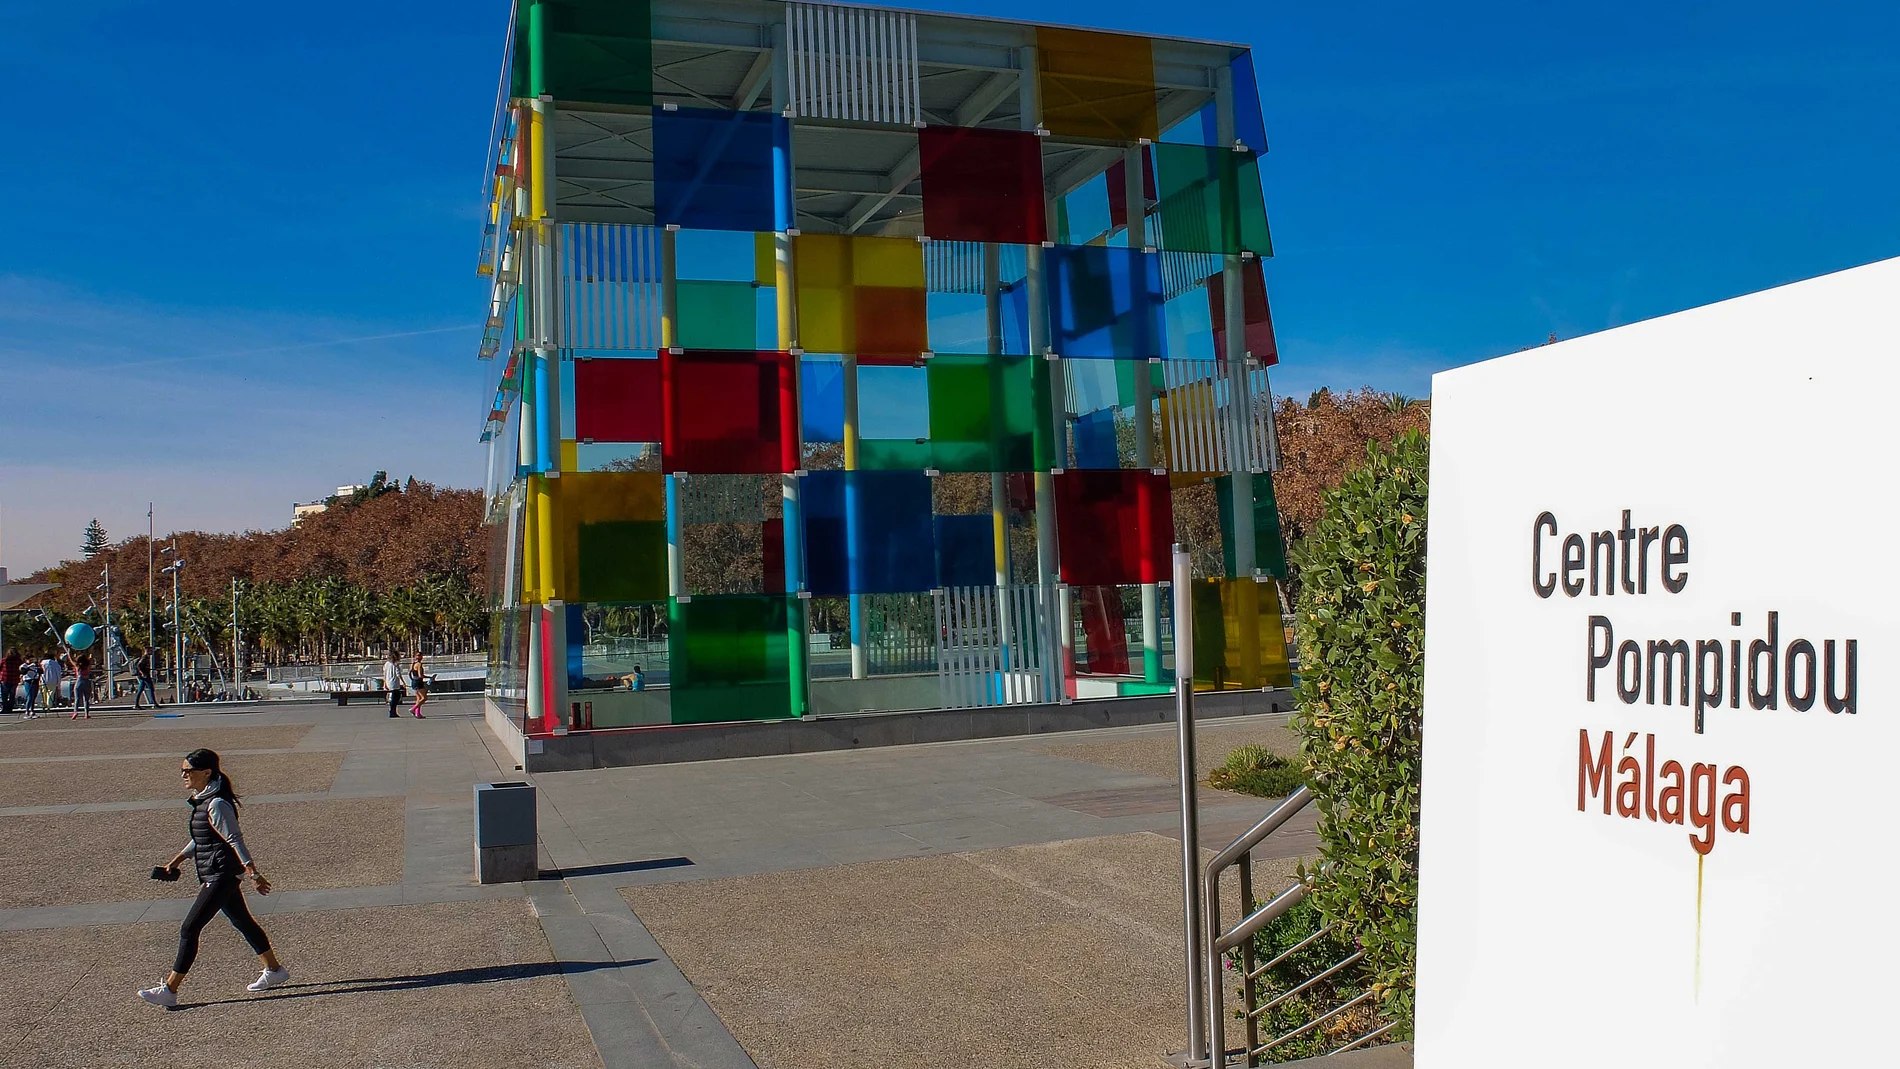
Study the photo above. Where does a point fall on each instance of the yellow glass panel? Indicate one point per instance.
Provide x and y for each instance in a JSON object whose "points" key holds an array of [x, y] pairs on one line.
{"points": [[1099, 85], [896, 262]]}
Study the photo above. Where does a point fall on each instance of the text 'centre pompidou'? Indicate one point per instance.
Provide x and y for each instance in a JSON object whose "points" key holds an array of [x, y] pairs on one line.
{"points": [[854, 359]]}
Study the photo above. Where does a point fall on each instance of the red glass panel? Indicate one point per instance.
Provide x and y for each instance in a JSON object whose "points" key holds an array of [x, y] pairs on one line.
{"points": [[725, 412], [1259, 318], [617, 400], [982, 185], [1113, 527]]}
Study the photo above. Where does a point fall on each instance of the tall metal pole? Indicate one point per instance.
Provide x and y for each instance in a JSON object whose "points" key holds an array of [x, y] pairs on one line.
{"points": [[178, 639], [236, 638], [1191, 907], [151, 562], [112, 687]]}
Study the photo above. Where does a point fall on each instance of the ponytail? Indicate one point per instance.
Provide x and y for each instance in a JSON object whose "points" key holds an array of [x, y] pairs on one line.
{"points": [[208, 759]]}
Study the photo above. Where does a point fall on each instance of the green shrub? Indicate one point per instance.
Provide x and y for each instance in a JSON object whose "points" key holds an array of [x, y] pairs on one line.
{"points": [[1258, 771], [1361, 616], [1280, 935]]}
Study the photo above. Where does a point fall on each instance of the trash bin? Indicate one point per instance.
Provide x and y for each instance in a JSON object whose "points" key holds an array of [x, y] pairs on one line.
{"points": [[505, 833]]}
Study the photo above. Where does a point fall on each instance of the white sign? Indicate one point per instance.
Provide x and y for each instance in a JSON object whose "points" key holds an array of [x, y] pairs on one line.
{"points": [[1662, 752]]}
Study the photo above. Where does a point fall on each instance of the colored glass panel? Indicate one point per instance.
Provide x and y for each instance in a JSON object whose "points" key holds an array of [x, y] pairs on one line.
{"points": [[716, 170], [729, 658], [617, 400], [893, 402], [1095, 445], [1099, 85], [1210, 200], [868, 532], [1113, 527], [980, 413], [1104, 631], [1105, 302], [862, 296], [1269, 550], [966, 551], [1118, 187], [1250, 128], [1239, 641], [982, 185], [728, 412], [821, 400], [895, 454], [620, 561], [1256, 315], [598, 52], [716, 315]]}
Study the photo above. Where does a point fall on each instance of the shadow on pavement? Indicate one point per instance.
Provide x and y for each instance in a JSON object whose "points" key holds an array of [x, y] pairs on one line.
{"points": [[490, 974]]}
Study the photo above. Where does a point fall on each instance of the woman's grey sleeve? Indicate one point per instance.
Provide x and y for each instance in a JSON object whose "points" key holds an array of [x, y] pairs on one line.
{"points": [[224, 821]]}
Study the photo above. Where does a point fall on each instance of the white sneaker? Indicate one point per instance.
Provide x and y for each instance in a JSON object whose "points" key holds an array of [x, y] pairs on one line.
{"points": [[271, 978], [160, 996]]}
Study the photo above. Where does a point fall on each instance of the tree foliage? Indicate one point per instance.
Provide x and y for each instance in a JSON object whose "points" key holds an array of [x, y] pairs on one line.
{"points": [[1324, 439], [401, 563], [1361, 631], [94, 540]]}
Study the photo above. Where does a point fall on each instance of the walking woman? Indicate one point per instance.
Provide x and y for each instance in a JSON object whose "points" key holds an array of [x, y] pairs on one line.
{"points": [[217, 851], [420, 682], [81, 664]]}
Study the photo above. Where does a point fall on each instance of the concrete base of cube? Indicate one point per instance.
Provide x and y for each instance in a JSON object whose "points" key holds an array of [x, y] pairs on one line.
{"points": [[506, 864]]}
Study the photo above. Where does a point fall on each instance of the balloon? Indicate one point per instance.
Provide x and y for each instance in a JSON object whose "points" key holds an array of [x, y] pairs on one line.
{"points": [[79, 636]]}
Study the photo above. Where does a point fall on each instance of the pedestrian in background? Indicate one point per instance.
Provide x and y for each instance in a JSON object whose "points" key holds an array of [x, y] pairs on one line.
{"points": [[49, 681], [420, 682], [392, 681], [143, 670], [30, 683], [81, 664], [9, 680]]}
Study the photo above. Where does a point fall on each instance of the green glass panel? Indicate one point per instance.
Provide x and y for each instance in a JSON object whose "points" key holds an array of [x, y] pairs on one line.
{"points": [[622, 561], [894, 454], [1210, 200], [729, 658], [1269, 551], [717, 315], [598, 51]]}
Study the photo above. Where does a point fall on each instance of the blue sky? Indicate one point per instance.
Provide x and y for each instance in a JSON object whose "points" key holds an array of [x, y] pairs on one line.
{"points": [[240, 260]]}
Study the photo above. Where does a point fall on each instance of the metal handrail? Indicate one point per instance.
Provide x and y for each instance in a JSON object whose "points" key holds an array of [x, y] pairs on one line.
{"points": [[1239, 854], [1282, 813]]}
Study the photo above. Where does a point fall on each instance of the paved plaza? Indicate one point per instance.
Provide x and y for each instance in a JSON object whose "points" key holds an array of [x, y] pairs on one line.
{"points": [[995, 902]]}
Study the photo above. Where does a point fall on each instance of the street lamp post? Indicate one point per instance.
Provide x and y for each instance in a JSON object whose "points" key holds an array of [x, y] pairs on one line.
{"points": [[112, 683], [178, 634]]}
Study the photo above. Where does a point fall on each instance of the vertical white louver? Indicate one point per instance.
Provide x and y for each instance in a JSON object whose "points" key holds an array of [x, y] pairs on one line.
{"points": [[993, 647], [1205, 431], [610, 275], [852, 63]]}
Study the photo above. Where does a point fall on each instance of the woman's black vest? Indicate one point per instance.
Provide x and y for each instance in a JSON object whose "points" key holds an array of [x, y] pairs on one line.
{"points": [[209, 852]]}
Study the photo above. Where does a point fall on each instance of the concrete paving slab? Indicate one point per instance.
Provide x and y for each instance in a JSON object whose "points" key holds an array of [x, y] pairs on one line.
{"points": [[1053, 954], [125, 779], [174, 737], [1155, 751], [103, 857], [368, 987]]}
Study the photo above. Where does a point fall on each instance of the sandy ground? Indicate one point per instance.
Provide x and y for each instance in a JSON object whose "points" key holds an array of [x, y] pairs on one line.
{"points": [[1064, 954], [98, 737], [108, 857], [139, 779], [1156, 754], [462, 986]]}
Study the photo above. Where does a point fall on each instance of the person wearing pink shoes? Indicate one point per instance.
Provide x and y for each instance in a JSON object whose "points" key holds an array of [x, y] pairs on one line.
{"points": [[217, 851], [420, 682]]}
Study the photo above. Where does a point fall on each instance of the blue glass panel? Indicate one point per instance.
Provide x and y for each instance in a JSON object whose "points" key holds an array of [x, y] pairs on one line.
{"points": [[715, 255], [821, 399], [1249, 128], [714, 170], [1105, 302], [893, 402], [889, 545], [1015, 301], [1095, 440], [966, 551]]}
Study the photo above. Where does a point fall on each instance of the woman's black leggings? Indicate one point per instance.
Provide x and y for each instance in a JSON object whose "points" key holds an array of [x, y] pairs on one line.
{"points": [[224, 893]]}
